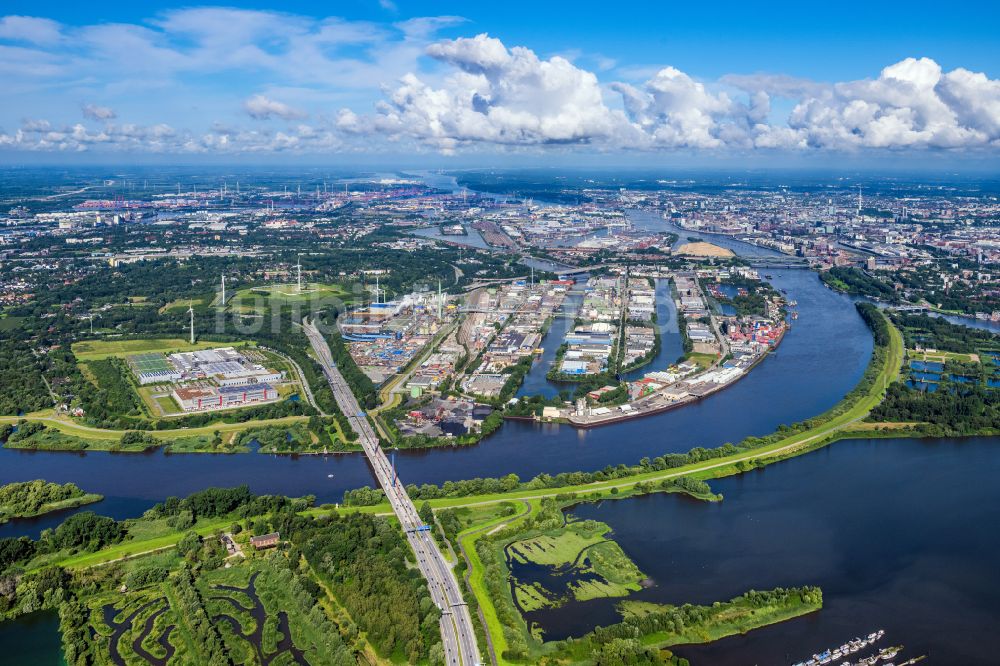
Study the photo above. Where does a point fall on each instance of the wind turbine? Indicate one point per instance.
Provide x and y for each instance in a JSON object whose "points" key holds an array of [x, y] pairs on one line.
{"points": [[91, 318], [191, 313], [299, 266]]}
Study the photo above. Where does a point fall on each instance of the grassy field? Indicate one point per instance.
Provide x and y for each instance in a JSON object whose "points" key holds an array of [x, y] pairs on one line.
{"points": [[941, 356], [184, 303], [96, 350], [703, 360], [253, 299], [8, 323]]}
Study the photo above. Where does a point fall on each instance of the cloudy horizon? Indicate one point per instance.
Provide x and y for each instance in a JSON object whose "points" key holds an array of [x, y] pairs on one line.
{"points": [[222, 82]]}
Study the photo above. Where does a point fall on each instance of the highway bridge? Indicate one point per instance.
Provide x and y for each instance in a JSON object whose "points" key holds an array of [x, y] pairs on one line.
{"points": [[457, 633], [778, 262]]}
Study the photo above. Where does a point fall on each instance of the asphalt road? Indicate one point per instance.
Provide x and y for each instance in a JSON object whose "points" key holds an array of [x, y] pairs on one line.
{"points": [[457, 634]]}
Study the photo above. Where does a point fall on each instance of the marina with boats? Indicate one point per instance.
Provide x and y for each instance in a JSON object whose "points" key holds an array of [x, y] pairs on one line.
{"points": [[843, 655]]}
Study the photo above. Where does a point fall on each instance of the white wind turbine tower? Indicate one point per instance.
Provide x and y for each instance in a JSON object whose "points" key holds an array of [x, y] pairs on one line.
{"points": [[299, 267], [223, 291], [191, 313]]}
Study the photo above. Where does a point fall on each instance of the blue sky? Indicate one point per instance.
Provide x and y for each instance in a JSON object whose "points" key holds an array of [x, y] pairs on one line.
{"points": [[775, 81]]}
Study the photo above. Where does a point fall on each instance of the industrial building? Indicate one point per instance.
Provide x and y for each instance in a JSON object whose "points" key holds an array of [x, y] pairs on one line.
{"points": [[226, 365], [203, 398], [208, 379]]}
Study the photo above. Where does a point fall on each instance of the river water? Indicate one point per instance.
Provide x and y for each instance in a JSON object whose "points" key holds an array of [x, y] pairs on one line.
{"points": [[868, 521], [899, 533]]}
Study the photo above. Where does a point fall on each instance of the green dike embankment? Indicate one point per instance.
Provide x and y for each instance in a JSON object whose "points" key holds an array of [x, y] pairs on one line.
{"points": [[104, 439]]}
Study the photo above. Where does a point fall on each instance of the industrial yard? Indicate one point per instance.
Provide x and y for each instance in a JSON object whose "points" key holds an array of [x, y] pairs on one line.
{"points": [[205, 380], [383, 337]]}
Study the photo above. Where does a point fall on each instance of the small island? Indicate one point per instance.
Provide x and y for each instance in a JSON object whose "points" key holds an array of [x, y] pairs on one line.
{"points": [[28, 499]]}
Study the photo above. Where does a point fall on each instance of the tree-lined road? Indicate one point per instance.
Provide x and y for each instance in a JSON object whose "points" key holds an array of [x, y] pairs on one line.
{"points": [[457, 634]]}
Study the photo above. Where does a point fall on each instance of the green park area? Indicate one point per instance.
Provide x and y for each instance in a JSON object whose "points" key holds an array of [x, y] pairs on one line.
{"points": [[255, 299]]}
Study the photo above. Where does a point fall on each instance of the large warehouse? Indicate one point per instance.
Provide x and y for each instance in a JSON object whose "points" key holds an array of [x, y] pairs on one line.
{"points": [[198, 399], [208, 379], [226, 365]]}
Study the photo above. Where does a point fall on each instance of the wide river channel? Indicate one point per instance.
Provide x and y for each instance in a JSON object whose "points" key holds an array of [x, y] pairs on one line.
{"points": [[900, 534]]}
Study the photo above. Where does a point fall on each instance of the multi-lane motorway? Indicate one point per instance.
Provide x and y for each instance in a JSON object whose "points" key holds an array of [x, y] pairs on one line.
{"points": [[457, 634]]}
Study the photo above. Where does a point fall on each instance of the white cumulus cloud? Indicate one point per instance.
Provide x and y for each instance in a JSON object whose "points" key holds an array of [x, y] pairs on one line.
{"points": [[96, 112], [496, 95], [510, 96], [398, 88], [912, 104], [260, 107]]}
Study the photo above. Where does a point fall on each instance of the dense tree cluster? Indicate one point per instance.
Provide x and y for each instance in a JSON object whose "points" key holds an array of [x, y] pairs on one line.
{"points": [[211, 650], [953, 409], [687, 346], [22, 388], [876, 322], [84, 531], [25, 431], [856, 281], [110, 401], [305, 593], [14, 550], [218, 502], [364, 560], [74, 625], [360, 383], [920, 330], [26, 498]]}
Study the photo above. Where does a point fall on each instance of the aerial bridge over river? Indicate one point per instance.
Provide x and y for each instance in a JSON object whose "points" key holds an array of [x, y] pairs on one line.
{"points": [[457, 633]]}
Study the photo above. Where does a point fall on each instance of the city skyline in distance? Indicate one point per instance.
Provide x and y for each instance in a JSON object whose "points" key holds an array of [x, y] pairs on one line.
{"points": [[382, 83]]}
